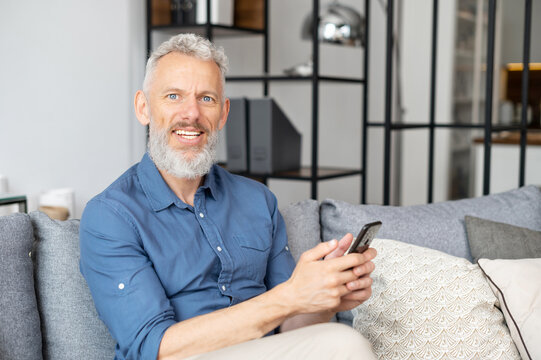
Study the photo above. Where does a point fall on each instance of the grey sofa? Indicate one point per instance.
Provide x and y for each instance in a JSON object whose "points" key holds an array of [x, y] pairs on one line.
{"points": [[46, 310]]}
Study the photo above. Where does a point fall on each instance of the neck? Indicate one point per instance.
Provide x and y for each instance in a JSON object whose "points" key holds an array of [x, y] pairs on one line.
{"points": [[184, 188]]}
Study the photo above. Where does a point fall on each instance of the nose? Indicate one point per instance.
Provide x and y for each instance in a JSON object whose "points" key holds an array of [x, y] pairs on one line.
{"points": [[189, 110]]}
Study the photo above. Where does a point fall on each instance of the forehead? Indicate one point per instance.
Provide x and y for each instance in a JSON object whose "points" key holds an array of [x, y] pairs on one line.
{"points": [[176, 68]]}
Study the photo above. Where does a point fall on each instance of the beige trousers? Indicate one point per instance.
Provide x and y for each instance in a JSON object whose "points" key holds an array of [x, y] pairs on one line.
{"points": [[321, 341]]}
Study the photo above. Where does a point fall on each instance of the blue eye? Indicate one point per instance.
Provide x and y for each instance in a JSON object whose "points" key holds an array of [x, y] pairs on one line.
{"points": [[207, 98], [172, 96]]}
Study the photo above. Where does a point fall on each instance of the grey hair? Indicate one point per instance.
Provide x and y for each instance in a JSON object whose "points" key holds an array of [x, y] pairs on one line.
{"points": [[191, 45]]}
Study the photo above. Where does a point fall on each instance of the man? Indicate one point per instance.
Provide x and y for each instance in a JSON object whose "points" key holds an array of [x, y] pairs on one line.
{"points": [[183, 258]]}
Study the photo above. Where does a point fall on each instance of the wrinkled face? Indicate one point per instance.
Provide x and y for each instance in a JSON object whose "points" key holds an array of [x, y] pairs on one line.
{"points": [[185, 100], [184, 108]]}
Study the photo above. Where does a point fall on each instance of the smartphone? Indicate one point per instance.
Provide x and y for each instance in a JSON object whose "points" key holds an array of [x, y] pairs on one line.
{"points": [[365, 237]]}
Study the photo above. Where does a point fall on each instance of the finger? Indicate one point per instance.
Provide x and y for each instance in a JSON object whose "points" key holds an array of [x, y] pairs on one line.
{"points": [[345, 242], [343, 245], [319, 251], [358, 295], [342, 291], [364, 269], [347, 262], [360, 283], [361, 259], [370, 254], [340, 279]]}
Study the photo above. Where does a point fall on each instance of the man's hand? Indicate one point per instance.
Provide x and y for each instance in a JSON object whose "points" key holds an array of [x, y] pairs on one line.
{"points": [[335, 284], [362, 287]]}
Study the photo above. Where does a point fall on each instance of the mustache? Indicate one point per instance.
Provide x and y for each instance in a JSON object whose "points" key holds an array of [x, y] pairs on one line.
{"points": [[181, 124]]}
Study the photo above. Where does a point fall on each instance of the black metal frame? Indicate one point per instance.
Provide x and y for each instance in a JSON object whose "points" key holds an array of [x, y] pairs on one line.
{"points": [[488, 127], [314, 173]]}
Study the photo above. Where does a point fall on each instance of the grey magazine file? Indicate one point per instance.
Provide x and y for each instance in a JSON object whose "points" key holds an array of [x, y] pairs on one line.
{"points": [[236, 135], [275, 144]]}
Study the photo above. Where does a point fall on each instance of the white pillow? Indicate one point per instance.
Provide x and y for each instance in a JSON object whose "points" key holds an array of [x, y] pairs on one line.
{"points": [[517, 284], [426, 304]]}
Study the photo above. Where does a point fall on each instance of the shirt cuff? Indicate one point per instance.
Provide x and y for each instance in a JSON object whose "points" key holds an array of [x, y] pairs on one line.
{"points": [[152, 343]]}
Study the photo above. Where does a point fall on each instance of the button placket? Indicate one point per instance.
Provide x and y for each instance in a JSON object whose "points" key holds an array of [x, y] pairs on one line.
{"points": [[214, 238]]}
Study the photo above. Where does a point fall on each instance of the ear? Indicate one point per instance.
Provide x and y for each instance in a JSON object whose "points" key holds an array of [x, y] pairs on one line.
{"points": [[142, 108], [225, 113]]}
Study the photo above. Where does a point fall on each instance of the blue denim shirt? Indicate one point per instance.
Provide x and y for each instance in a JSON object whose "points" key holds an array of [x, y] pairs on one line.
{"points": [[151, 260]]}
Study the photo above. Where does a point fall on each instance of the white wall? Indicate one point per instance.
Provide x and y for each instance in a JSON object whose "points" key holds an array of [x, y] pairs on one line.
{"points": [[68, 70]]}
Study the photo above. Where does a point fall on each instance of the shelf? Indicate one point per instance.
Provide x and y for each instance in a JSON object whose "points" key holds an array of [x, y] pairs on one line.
{"points": [[217, 29], [303, 174], [512, 138], [323, 173], [427, 125], [294, 78]]}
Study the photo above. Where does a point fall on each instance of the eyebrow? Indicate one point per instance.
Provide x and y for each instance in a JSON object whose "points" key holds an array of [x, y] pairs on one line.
{"points": [[174, 89]]}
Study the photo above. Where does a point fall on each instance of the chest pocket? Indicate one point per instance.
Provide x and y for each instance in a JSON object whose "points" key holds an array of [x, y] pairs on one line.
{"points": [[254, 248]]}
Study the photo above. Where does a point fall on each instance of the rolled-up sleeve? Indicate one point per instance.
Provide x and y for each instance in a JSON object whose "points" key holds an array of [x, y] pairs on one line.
{"points": [[128, 294], [281, 264]]}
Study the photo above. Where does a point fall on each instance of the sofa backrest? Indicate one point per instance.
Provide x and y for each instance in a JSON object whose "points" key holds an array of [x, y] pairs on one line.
{"points": [[20, 335], [71, 328], [438, 226], [50, 293]]}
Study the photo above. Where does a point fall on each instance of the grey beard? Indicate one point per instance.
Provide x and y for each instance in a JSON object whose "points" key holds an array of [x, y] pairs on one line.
{"points": [[174, 162]]}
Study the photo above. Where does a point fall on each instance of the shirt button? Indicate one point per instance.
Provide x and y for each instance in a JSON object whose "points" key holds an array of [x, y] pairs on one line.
{"points": [[121, 286], [287, 248], [201, 215], [223, 287], [219, 248]]}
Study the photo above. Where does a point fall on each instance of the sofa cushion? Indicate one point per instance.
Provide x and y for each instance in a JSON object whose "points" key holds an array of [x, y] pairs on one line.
{"points": [[20, 335], [302, 225], [438, 226], [70, 325], [496, 240], [429, 305], [517, 286]]}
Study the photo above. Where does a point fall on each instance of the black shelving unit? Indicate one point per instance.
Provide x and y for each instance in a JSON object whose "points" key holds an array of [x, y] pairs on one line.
{"points": [[488, 126], [314, 173]]}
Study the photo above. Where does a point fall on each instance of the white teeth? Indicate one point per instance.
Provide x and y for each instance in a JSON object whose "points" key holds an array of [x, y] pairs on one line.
{"points": [[188, 134]]}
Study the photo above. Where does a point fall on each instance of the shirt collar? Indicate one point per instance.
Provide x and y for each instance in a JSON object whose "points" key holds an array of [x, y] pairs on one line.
{"points": [[211, 182], [158, 193]]}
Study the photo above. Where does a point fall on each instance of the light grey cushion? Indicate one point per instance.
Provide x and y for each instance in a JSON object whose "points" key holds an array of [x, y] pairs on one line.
{"points": [[69, 322], [438, 226], [496, 240], [302, 224], [20, 335]]}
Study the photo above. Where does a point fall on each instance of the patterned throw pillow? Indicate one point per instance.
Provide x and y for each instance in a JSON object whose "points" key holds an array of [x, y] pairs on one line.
{"points": [[430, 305]]}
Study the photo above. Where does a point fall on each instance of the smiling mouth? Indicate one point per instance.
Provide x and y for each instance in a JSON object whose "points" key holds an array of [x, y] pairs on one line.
{"points": [[188, 134]]}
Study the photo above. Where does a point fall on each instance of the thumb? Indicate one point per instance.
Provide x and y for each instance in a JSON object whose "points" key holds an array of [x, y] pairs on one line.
{"points": [[319, 251]]}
